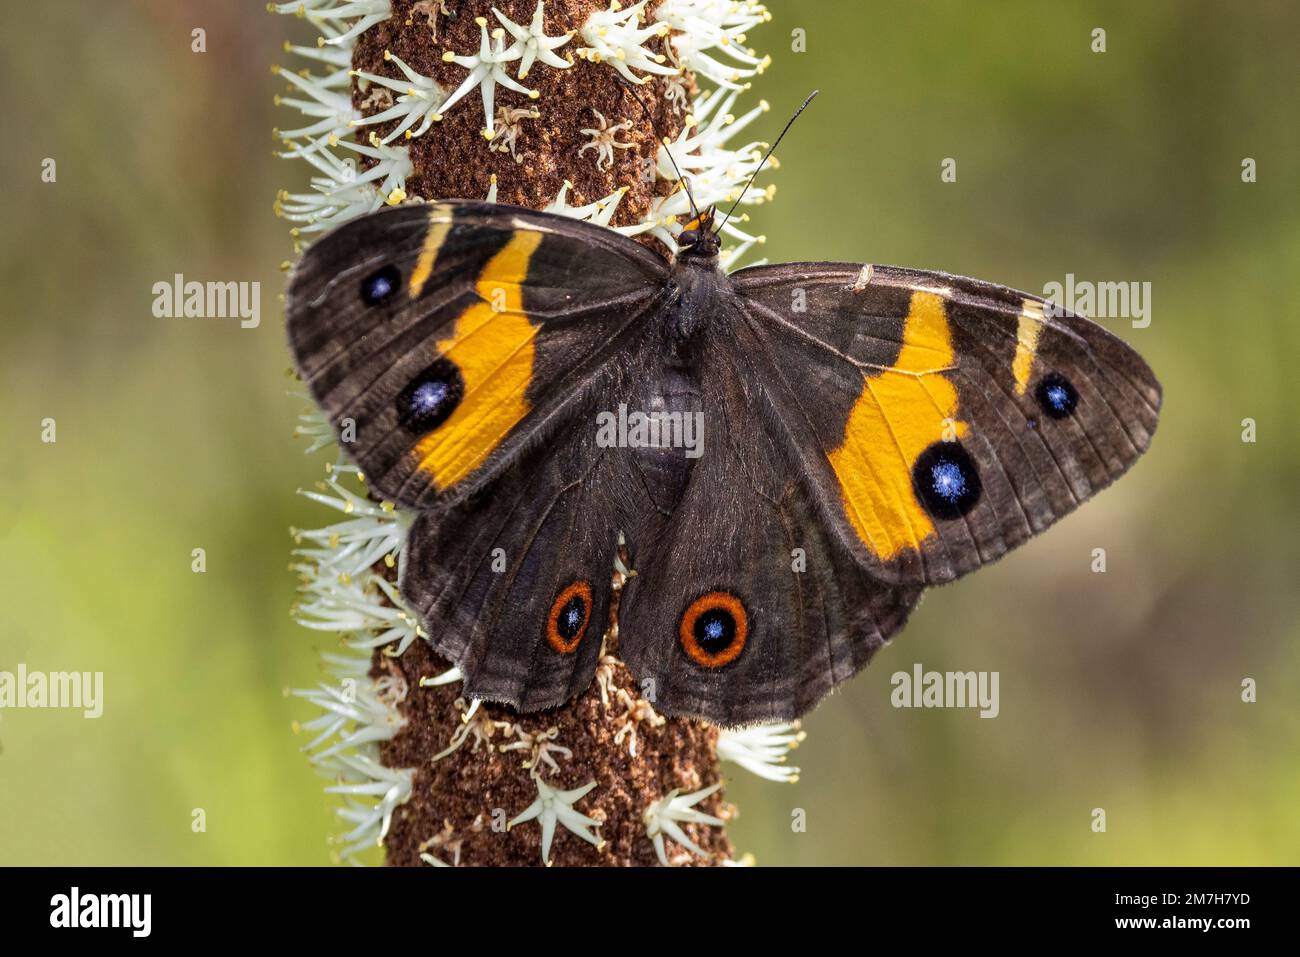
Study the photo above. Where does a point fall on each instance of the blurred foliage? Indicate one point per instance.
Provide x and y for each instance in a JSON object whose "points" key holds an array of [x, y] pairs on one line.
{"points": [[1119, 691]]}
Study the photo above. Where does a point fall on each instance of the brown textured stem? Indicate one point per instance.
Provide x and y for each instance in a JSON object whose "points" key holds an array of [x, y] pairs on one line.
{"points": [[454, 161], [459, 804]]}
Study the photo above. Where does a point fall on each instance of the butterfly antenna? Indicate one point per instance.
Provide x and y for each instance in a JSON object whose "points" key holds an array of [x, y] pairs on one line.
{"points": [[770, 150], [695, 211]]}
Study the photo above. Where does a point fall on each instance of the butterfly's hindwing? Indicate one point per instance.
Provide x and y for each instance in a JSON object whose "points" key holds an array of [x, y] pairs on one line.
{"points": [[744, 607], [514, 584]]}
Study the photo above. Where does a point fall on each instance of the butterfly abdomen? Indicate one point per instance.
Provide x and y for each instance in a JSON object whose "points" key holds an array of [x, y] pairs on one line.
{"points": [[667, 438]]}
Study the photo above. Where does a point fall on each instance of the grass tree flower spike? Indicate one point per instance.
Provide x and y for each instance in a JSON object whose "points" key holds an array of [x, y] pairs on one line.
{"points": [[425, 776]]}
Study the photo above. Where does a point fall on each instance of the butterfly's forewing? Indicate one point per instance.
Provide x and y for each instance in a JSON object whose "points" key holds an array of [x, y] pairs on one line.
{"points": [[942, 420], [745, 607], [441, 339]]}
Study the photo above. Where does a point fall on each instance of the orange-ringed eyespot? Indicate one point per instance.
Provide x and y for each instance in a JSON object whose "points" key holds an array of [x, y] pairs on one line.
{"points": [[713, 629], [569, 617]]}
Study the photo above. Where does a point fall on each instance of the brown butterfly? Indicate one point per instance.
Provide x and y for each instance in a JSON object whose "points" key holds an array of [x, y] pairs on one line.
{"points": [[860, 432]]}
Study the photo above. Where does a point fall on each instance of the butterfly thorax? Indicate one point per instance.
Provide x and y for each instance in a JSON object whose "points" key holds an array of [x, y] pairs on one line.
{"points": [[693, 293]]}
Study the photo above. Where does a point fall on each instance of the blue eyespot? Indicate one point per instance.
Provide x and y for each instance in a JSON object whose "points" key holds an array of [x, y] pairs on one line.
{"points": [[380, 286], [430, 398], [1056, 395], [946, 480], [715, 630], [571, 617]]}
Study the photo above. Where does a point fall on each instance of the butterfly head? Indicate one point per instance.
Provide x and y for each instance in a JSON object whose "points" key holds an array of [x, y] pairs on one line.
{"points": [[698, 238]]}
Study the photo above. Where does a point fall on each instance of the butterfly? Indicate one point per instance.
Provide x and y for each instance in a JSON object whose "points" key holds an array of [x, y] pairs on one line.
{"points": [[863, 432]]}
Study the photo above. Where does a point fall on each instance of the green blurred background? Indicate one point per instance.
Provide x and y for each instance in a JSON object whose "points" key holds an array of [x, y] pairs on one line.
{"points": [[1120, 691]]}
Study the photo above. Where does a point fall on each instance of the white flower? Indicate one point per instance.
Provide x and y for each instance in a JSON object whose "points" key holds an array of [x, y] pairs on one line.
{"points": [[701, 26], [509, 126], [419, 100], [717, 171], [429, 9], [487, 68], [357, 712], [329, 106], [636, 710], [367, 611], [560, 204], [314, 426], [450, 676], [324, 208], [601, 212], [554, 807], [361, 777], [372, 532], [473, 722], [614, 36], [340, 592], [675, 93], [301, 8], [342, 193], [763, 749], [533, 43], [662, 817], [334, 12], [539, 745], [605, 140], [338, 58], [391, 167]]}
